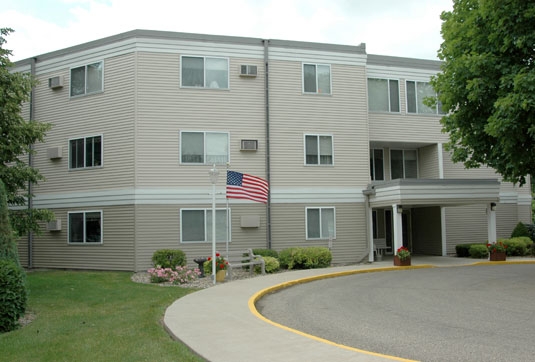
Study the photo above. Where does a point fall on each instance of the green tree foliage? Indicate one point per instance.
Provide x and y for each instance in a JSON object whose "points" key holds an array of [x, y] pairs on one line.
{"points": [[8, 244], [17, 136], [487, 85]]}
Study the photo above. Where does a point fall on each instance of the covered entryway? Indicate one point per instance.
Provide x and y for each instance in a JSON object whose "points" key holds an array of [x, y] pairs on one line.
{"points": [[410, 212]]}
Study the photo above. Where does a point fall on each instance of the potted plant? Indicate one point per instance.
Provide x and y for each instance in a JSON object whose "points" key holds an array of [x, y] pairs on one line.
{"points": [[402, 257], [221, 266], [497, 251]]}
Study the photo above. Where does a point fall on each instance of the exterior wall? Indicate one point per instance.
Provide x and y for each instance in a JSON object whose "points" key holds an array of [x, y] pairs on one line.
{"points": [[428, 166], [426, 231], [465, 224]]}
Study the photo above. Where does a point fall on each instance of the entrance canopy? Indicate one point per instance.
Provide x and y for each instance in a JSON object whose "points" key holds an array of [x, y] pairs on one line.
{"points": [[438, 192]]}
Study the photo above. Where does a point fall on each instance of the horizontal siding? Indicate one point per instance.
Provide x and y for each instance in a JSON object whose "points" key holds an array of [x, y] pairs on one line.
{"points": [[350, 245], [110, 113], [158, 227], [342, 115], [506, 220], [465, 224], [164, 109], [428, 162], [51, 249]]}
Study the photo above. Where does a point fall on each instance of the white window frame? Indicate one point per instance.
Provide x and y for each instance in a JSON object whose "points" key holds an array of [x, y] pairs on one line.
{"points": [[320, 208], [85, 164], [319, 148], [207, 226], [438, 106], [317, 78], [204, 162], [85, 242], [204, 86], [101, 62], [372, 158], [404, 167], [389, 93]]}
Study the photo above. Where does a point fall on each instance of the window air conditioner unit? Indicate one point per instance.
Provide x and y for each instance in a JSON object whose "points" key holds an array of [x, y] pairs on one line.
{"points": [[55, 82], [248, 70], [54, 152], [249, 145], [54, 225]]}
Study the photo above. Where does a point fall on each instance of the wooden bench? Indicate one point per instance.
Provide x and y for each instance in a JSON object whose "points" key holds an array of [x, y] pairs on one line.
{"points": [[241, 258]]}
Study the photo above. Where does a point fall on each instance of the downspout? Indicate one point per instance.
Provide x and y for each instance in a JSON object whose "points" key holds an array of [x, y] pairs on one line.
{"points": [[268, 160], [30, 163]]}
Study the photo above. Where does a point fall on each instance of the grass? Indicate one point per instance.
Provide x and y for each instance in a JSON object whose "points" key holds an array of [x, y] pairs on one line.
{"points": [[95, 316]]}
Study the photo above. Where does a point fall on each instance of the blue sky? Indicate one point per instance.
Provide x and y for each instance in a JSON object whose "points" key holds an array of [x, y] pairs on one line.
{"points": [[408, 28]]}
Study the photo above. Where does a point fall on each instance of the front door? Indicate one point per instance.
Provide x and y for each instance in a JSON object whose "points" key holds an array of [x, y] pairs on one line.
{"points": [[406, 225]]}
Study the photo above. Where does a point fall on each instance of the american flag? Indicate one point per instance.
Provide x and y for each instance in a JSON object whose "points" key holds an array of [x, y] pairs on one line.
{"points": [[244, 186]]}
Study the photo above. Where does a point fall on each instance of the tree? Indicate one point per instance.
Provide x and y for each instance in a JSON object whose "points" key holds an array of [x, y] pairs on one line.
{"points": [[17, 136], [487, 85], [8, 244]]}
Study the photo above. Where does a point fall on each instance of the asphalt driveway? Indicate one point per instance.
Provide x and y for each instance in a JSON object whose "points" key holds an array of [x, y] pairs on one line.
{"points": [[468, 313]]}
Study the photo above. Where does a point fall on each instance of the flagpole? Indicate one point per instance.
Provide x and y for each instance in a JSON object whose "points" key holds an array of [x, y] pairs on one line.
{"points": [[214, 173], [228, 216]]}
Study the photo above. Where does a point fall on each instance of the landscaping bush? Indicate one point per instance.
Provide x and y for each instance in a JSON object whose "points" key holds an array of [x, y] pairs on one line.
{"points": [[305, 258], [520, 230], [266, 252], [272, 265], [531, 231], [463, 250], [12, 295], [478, 251], [169, 258], [517, 246]]}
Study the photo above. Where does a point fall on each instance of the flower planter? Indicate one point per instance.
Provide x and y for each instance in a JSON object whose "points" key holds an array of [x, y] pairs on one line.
{"points": [[405, 262], [497, 256], [220, 276]]}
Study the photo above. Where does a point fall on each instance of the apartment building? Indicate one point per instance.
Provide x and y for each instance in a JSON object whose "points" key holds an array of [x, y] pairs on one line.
{"points": [[352, 154]]}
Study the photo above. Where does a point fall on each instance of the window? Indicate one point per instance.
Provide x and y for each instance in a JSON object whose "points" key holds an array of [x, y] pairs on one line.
{"points": [[383, 95], [416, 93], [318, 150], [376, 164], [317, 78], [204, 147], [196, 225], [320, 223], [403, 164], [85, 227], [204, 72], [86, 79], [85, 152]]}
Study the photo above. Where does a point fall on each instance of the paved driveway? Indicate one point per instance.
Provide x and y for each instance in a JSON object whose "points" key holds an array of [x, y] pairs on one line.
{"points": [[469, 313]]}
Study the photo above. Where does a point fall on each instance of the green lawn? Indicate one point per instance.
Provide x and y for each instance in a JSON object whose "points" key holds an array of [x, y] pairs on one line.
{"points": [[94, 316]]}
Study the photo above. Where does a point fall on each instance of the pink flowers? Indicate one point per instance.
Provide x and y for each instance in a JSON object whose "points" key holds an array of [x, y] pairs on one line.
{"points": [[179, 275]]}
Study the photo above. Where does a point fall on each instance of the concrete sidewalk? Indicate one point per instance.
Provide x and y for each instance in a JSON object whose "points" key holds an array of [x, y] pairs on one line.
{"points": [[220, 323]]}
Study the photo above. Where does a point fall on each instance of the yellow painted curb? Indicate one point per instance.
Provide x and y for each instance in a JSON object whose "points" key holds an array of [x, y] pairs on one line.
{"points": [[252, 301], [487, 262]]}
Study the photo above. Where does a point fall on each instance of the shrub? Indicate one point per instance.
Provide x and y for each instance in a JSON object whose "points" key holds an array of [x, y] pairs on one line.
{"points": [[517, 246], [463, 250], [305, 258], [168, 258], [12, 295], [266, 252], [180, 275], [531, 231], [478, 251], [520, 230], [272, 265]]}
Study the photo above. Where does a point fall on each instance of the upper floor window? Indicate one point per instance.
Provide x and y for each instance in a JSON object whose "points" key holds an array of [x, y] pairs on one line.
{"points": [[204, 72], [383, 95], [320, 223], [317, 78], [196, 225], [204, 147], [377, 165], [85, 152], [86, 79], [85, 227], [403, 164], [416, 93], [318, 150]]}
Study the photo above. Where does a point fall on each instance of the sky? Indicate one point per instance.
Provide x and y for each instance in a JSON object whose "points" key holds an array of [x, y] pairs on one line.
{"points": [[405, 28]]}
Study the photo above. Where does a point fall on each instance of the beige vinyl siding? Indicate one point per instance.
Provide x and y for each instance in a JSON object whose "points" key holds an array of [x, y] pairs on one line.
{"points": [[428, 162], [165, 109], [110, 114], [22, 247], [465, 224], [524, 214], [395, 127], [506, 219], [51, 249], [342, 114], [158, 227], [350, 245]]}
